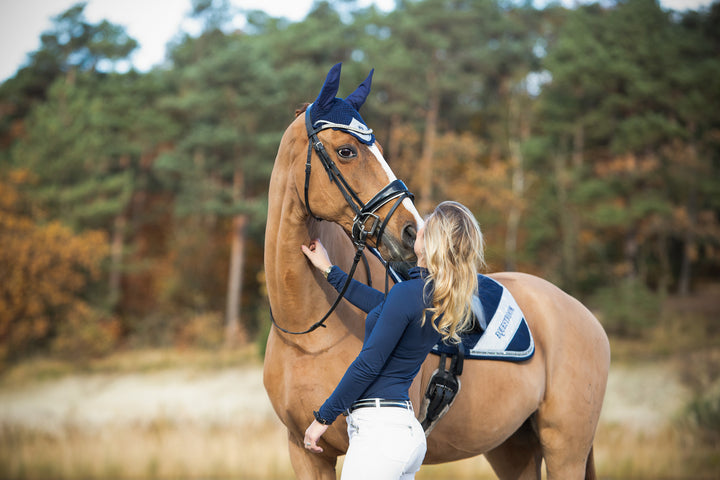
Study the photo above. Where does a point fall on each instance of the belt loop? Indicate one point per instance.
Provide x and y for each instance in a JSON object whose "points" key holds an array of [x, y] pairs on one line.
{"points": [[377, 403]]}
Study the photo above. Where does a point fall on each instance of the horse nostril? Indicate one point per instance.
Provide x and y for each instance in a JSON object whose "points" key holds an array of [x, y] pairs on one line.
{"points": [[408, 235]]}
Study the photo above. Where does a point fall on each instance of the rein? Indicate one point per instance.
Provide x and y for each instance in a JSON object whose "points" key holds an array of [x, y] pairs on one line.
{"points": [[364, 213]]}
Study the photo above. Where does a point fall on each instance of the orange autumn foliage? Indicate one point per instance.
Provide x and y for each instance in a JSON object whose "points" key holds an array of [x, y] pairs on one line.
{"points": [[44, 268]]}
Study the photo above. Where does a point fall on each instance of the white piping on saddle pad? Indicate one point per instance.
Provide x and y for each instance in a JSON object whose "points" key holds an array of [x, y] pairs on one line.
{"points": [[502, 327]]}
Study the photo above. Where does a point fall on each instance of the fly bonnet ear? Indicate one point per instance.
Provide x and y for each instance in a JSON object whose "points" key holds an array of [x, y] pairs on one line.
{"points": [[328, 111], [358, 97], [325, 99]]}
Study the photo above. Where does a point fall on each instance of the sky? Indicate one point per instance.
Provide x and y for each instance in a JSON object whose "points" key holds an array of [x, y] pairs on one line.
{"points": [[153, 23]]}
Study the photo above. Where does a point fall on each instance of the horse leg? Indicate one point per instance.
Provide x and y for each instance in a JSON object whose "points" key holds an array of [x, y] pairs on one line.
{"points": [[519, 457], [308, 465], [566, 447]]}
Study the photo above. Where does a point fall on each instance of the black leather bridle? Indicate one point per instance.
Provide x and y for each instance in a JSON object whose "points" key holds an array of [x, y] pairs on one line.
{"points": [[364, 212], [366, 223]]}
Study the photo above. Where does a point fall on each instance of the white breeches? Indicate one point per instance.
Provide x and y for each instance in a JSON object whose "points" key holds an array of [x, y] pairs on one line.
{"points": [[386, 443]]}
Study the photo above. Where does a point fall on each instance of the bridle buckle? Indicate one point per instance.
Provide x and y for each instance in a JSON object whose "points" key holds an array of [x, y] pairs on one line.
{"points": [[360, 232]]}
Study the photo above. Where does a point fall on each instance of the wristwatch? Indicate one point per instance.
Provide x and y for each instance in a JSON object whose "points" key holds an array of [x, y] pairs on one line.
{"points": [[326, 272], [319, 419]]}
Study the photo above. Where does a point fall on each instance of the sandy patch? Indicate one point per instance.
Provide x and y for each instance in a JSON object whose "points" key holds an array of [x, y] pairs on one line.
{"points": [[644, 397], [229, 397]]}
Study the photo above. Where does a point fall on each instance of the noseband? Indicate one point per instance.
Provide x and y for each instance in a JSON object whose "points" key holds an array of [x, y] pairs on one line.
{"points": [[366, 222]]}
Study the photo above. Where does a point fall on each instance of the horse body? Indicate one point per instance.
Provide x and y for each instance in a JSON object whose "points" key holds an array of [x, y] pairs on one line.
{"points": [[517, 414], [556, 395]]}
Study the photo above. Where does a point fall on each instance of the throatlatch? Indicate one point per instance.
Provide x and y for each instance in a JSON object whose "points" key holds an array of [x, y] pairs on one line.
{"points": [[442, 389]]}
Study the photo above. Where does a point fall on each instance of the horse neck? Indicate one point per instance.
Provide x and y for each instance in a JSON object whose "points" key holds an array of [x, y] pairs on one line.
{"points": [[299, 296]]}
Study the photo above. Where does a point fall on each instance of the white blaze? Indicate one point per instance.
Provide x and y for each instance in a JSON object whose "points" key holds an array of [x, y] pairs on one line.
{"points": [[407, 203]]}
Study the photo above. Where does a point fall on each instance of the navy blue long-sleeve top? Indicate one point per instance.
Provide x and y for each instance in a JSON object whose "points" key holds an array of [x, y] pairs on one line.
{"points": [[395, 343]]}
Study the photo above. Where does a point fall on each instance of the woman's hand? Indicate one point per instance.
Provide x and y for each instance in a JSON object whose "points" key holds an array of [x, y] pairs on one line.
{"points": [[313, 434], [316, 253]]}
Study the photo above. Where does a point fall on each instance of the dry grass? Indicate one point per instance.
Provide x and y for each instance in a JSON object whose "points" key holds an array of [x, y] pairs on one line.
{"points": [[160, 450], [670, 453], [640, 436], [164, 450]]}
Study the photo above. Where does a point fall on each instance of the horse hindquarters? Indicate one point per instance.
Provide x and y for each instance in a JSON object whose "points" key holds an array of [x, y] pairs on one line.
{"points": [[577, 359], [495, 400]]}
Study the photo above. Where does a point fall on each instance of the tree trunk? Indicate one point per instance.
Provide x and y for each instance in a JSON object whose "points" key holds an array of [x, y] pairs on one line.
{"points": [[689, 253], [665, 270], [425, 166], [235, 273], [513, 221], [566, 177], [568, 236], [117, 246], [518, 131]]}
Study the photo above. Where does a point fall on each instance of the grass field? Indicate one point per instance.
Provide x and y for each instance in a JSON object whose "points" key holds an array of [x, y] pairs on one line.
{"points": [[201, 415]]}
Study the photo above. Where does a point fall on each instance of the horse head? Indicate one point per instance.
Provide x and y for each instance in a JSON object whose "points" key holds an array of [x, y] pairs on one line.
{"points": [[342, 177]]}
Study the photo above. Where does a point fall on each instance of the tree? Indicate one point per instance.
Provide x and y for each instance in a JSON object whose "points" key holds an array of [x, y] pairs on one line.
{"points": [[225, 103], [72, 45], [46, 269], [617, 117], [92, 161]]}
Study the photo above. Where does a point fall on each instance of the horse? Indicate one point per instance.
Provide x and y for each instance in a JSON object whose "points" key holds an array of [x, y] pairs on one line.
{"points": [[517, 414]]}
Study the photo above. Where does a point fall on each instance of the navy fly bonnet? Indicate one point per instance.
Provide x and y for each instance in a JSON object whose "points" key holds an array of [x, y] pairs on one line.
{"points": [[328, 111]]}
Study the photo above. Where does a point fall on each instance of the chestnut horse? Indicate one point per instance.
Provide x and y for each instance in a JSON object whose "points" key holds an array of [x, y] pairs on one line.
{"points": [[516, 414]]}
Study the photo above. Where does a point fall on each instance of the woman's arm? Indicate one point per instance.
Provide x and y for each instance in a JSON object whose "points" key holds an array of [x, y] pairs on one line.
{"points": [[362, 296], [388, 331]]}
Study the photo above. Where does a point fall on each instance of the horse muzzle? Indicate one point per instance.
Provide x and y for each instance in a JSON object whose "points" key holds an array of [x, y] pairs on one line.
{"points": [[368, 224]]}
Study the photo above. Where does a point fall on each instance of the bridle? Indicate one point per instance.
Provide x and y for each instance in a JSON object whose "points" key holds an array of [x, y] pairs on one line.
{"points": [[366, 222], [364, 212]]}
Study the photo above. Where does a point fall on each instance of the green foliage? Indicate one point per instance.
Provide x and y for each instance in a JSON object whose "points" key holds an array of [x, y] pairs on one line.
{"points": [[627, 308], [72, 45], [85, 334], [704, 414], [595, 128], [700, 372]]}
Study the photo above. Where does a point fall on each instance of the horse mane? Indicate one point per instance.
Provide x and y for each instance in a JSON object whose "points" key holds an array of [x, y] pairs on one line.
{"points": [[302, 109]]}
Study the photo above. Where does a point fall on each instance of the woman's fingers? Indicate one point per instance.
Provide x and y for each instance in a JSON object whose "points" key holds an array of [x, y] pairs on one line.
{"points": [[312, 435]]}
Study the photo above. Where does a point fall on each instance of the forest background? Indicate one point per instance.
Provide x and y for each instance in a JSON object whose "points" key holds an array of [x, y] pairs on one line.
{"points": [[585, 140]]}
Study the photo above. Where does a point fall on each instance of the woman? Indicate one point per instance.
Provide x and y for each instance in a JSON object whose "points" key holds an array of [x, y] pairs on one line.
{"points": [[386, 440]]}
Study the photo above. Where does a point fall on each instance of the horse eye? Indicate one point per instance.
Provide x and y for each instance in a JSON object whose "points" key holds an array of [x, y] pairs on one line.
{"points": [[347, 151]]}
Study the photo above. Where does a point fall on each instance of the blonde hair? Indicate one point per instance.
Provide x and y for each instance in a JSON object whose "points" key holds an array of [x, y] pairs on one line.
{"points": [[454, 253]]}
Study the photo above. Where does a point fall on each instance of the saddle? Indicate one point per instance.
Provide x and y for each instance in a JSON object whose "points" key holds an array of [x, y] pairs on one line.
{"points": [[506, 337]]}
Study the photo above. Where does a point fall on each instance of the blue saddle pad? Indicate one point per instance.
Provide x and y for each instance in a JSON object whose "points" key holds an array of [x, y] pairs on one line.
{"points": [[507, 336]]}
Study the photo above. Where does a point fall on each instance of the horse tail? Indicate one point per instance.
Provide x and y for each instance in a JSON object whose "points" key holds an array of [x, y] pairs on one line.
{"points": [[590, 466]]}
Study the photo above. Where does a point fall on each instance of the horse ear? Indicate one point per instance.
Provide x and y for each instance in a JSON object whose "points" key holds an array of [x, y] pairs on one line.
{"points": [[330, 88], [358, 97]]}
